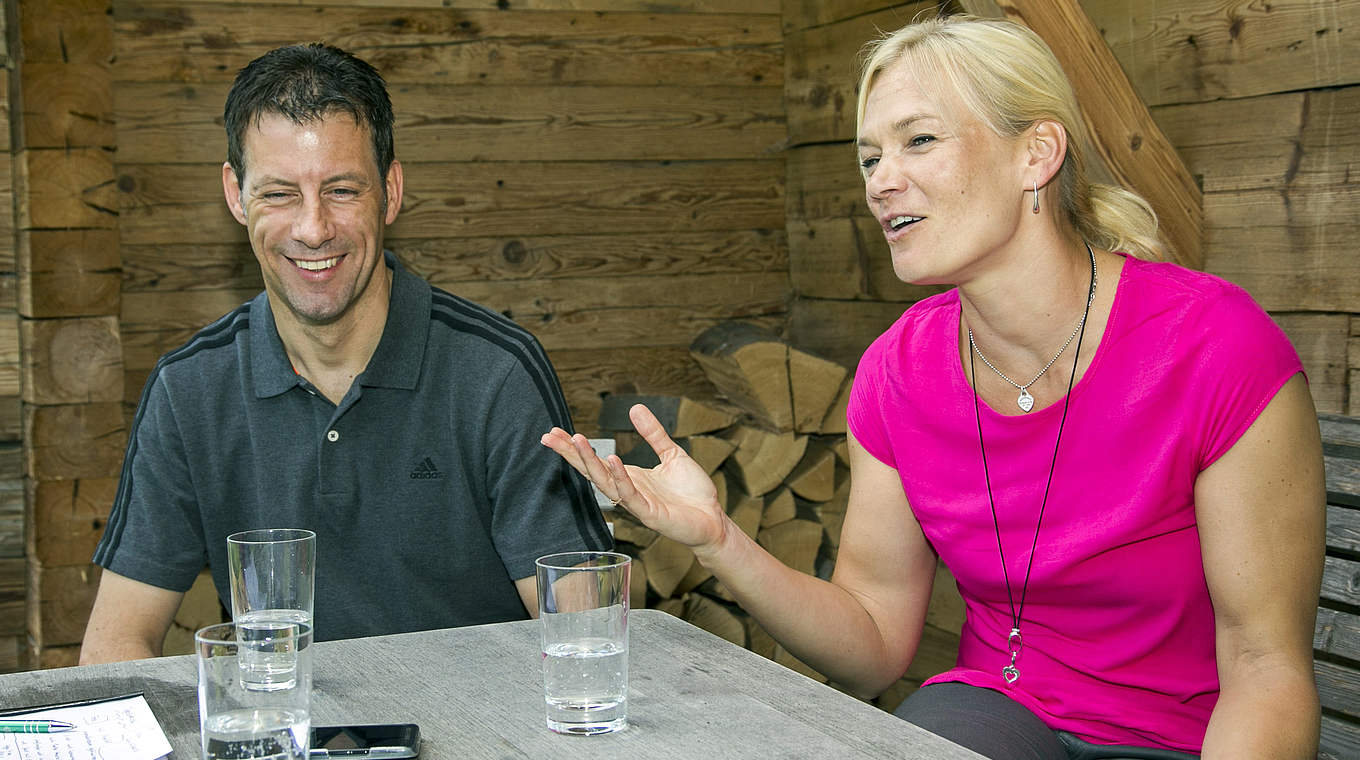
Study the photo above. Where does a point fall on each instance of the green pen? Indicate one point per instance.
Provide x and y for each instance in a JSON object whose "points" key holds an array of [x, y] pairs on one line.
{"points": [[11, 726]]}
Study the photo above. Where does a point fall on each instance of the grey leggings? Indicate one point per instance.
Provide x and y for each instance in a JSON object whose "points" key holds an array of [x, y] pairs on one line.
{"points": [[991, 724]]}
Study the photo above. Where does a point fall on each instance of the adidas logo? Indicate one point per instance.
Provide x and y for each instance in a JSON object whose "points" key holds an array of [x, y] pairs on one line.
{"points": [[426, 470]]}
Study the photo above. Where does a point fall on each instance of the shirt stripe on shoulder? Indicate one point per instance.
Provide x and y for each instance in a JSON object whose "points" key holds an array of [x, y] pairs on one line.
{"points": [[221, 333]]}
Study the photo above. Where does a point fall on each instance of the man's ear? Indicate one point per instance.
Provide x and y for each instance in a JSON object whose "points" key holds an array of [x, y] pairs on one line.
{"points": [[394, 182], [231, 190], [1046, 143]]}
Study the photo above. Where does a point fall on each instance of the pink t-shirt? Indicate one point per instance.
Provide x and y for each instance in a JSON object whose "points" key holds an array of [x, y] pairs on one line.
{"points": [[1118, 626]]}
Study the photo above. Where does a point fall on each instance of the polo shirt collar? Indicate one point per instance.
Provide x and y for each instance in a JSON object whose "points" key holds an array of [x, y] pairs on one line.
{"points": [[396, 361]]}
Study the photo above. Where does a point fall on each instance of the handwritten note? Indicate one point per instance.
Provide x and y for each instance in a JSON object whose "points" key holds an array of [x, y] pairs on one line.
{"points": [[119, 729]]}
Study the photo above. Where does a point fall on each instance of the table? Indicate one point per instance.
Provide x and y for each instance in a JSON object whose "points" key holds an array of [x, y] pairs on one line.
{"points": [[477, 692]]}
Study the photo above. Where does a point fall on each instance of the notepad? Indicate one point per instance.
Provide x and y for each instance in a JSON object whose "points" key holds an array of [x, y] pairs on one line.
{"points": [[120, 728]]}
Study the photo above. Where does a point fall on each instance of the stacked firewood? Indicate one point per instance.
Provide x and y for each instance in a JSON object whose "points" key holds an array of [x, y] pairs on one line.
{"points": [[774, 444]]}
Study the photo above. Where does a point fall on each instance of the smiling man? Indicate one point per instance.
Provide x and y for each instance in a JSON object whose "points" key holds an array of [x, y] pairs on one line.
{"points": [[397, 421]]}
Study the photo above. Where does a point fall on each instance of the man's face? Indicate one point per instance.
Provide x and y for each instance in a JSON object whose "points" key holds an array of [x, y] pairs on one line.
{"points": [[313, 203]]}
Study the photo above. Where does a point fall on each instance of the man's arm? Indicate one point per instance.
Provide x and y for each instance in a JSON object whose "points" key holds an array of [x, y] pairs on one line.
{"points": [[1261, 515], [528, 593], [129, 620]]}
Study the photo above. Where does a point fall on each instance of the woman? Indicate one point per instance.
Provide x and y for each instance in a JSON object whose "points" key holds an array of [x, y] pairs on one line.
{"points": [[1136, 531]]}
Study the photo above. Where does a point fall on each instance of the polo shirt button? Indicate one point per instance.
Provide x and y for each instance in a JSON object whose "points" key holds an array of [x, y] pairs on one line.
{"points": [[333, 436]]}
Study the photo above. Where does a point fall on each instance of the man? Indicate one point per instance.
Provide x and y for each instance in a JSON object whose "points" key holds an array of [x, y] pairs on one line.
{"points": [[397, 421]]}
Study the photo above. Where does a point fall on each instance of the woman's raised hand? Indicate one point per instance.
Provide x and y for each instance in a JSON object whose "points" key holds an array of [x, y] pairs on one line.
{"points": [[676, 498]]}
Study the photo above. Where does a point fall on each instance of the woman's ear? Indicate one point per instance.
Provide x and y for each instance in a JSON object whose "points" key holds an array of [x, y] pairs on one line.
{"points": [[1046, 142]]}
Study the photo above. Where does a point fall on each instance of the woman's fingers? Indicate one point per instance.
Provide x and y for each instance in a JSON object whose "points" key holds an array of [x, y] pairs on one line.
{"points": [[649, 427]]}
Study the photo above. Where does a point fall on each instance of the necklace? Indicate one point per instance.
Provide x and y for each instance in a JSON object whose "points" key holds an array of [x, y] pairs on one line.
{"points": [[1025, 401], [1011, 672]]}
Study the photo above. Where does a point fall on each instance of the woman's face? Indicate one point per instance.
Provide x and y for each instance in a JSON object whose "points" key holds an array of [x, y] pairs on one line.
{"points": [[944, 187]]}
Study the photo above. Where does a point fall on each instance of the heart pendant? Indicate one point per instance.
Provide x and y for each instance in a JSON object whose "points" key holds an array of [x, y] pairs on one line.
{"points": [[1026, 401], [1010, 674]]}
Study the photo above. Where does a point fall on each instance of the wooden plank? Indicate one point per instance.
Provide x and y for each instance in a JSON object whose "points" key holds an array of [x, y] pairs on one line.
{"points": [[10, 364], [176, 123], [1320, 340], [1123, 133], [166, 42], [182, 204], [69, 273], [75, 31], [802, 14], [1339, 430], [12, 653], [1337, 633], [71, 361], [12, 585], [1341, 581], [1288, 248], [587, 373], [846, 258], [67, 105], [67, 518], [824, 183], [822, 71], [59, 601], [233, 266], [1338, 687], [1178, 51], [1295, 139], [1343, 528], [44, 658], [840, 330], [12, 518], [1340, 740], [74, 441], [65, 188]]}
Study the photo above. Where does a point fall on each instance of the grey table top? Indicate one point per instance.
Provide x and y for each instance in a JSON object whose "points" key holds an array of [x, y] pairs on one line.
{"points": [[477, 692]]}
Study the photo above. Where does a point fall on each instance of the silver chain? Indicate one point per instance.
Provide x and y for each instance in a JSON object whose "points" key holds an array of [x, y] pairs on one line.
{"points": [[1024, 389]]}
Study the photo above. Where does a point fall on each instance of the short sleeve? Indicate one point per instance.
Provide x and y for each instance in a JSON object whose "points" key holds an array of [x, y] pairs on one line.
{"points": [[864, 410], [540, 505], [1242, 359], [154, 534]]}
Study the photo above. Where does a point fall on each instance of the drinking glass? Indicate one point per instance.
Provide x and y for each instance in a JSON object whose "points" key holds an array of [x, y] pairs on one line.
{"points": [[240, 721]]}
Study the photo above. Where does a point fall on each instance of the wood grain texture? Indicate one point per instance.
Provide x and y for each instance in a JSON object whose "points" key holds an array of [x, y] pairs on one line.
{"points": [[174, 42], [1320, 340], [71, 361], [68, 273], [650, 6], [66, 518], [67, 105], [65, 31], [74, 441], [1182, 51], [65, 188], [12, 580], [180, 123], [59, 601]]}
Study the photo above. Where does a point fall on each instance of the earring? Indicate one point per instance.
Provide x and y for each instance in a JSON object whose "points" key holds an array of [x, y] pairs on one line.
{"points": [[1036, 196]]}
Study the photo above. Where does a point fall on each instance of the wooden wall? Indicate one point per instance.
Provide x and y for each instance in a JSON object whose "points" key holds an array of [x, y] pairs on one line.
{"points": [[12, 564], [1260, 100]]}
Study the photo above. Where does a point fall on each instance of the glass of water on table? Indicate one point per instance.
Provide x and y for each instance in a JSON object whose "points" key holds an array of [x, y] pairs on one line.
{"points": [[239, 720], [273, 577], [583, 608]]}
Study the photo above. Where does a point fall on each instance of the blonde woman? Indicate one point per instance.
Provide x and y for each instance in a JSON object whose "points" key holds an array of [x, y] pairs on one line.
{"points": [[1118, 459]]}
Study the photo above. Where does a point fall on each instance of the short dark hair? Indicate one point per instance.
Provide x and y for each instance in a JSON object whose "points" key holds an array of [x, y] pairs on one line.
{"points": [[305, 83]]}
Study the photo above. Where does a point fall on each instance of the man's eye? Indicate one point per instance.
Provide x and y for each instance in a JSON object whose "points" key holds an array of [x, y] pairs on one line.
{"points": [[274, 196], [344, 192]]}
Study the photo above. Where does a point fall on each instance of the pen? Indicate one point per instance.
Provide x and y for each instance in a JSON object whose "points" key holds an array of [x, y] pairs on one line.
{"points": [[12, 726]]}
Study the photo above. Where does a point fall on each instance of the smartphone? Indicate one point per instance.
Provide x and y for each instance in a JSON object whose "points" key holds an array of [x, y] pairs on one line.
{"points": [[387, 741]]}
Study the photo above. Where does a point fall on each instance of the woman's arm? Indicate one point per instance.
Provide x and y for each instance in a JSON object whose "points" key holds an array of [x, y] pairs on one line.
{"points": [[1262, 515], [861, 629]]}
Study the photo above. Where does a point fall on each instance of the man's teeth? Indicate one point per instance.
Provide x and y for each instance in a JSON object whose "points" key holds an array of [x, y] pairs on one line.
{"points": [[317, 266], [898, 222]]}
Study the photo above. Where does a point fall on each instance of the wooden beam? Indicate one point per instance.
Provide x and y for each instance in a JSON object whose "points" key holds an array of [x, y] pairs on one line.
{"points": [[1134, 150]]}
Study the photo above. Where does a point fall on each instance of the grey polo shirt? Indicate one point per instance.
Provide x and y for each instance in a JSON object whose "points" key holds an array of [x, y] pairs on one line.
{"points": [[427, 486]]}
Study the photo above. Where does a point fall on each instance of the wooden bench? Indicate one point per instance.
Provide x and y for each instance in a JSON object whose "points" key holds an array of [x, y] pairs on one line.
{"points": [[1336, 638]]}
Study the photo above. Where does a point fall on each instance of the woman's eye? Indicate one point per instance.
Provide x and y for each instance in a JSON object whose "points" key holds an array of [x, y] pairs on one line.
{"points": [[867, 164], [920, 140]]}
